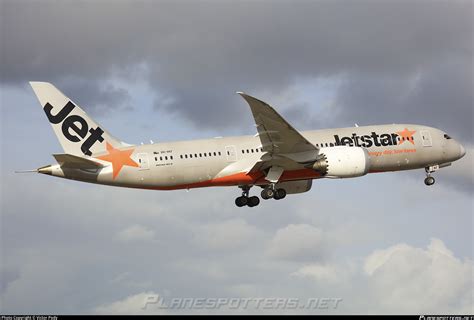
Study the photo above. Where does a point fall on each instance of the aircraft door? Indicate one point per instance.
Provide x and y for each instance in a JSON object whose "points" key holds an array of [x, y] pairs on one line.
{"points": [[426, 138], [143, 161]]}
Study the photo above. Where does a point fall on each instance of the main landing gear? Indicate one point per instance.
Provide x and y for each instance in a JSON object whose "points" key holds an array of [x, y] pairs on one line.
{"points": [[270, 192], [267, 193], [245, 200], [429, 180]]}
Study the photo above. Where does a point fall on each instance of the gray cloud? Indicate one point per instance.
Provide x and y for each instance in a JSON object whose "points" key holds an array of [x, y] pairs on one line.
{"points": [[395, 60], [439, 96], [69, 240], [7, 276], [433, 277], [98, 96], [298, 242], [200, 53]]}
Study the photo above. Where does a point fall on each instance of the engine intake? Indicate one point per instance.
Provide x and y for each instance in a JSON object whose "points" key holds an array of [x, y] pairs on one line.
{"points": [[342, 162]]}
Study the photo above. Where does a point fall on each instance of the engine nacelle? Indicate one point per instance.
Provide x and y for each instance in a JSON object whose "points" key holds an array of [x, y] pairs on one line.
{"points": [[292, 187], [342, 162]]}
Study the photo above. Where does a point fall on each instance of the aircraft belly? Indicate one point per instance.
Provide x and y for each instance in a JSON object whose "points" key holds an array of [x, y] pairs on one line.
{"points": [[192, 174]]}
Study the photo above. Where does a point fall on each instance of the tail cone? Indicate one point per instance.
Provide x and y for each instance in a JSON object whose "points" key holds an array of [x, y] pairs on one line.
{"points": [[46, 170]]}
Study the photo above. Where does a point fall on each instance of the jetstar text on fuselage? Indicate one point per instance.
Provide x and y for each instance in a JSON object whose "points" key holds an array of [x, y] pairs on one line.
{"points": [[367, 141]]}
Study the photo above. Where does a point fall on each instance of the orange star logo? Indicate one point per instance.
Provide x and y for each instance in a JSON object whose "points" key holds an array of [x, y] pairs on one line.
{"points": [[118, 158], [406, 135]]}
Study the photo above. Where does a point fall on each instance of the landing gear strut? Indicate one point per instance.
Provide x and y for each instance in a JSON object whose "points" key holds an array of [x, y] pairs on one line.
{"points": [[429, 180], [245, 200]]}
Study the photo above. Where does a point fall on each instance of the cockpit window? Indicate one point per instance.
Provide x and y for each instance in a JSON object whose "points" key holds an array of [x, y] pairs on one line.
{"points": [[446, 136]]}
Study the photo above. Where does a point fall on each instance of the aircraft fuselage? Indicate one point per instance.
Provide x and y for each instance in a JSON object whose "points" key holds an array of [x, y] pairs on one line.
{"points": [[221, 161]]}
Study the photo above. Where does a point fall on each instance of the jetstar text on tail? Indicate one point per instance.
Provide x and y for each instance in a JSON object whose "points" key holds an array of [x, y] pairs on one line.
{"points": [[74, 127], [374, 139]]}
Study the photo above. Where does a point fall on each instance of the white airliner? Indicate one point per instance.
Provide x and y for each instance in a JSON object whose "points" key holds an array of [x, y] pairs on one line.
{"points": [[279, 159]]}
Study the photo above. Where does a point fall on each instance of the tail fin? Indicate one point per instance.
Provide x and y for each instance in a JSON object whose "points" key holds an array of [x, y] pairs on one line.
{"points": [[78, 134]]}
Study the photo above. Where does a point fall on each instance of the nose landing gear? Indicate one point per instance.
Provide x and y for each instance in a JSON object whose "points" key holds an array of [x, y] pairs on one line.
{"points": [[429, 180]]}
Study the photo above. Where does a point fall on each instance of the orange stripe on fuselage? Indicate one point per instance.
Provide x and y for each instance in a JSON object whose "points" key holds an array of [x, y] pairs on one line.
{"points": [[244, 179]]}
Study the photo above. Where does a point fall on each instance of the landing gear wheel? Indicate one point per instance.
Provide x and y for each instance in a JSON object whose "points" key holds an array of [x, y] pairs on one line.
{"points": [[429, 181], [267, 193], [279, 194], [241, 201], [253, 201]]}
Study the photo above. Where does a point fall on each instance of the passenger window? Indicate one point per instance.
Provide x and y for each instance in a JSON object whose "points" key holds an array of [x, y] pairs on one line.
{"points": [[171, 157], [215, 154], [181, 156]]}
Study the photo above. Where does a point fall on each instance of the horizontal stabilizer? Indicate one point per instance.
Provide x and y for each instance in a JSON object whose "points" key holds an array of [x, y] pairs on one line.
{"points": [[74, 162]]}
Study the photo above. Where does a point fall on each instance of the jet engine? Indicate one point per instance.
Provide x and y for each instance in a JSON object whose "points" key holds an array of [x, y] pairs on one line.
{"points": [[292, 187], [342, 162]]}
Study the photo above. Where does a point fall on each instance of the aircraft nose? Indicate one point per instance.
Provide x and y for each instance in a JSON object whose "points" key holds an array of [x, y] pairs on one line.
{"points": [[462, 151]]}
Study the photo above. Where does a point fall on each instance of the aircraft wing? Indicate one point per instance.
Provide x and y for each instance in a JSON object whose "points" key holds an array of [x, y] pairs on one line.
{"points": [[284, 147], [74, 162], [276, 134]]}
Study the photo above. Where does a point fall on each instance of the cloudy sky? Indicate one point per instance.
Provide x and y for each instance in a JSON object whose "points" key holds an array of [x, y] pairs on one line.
{"points": [[169, 70]]}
